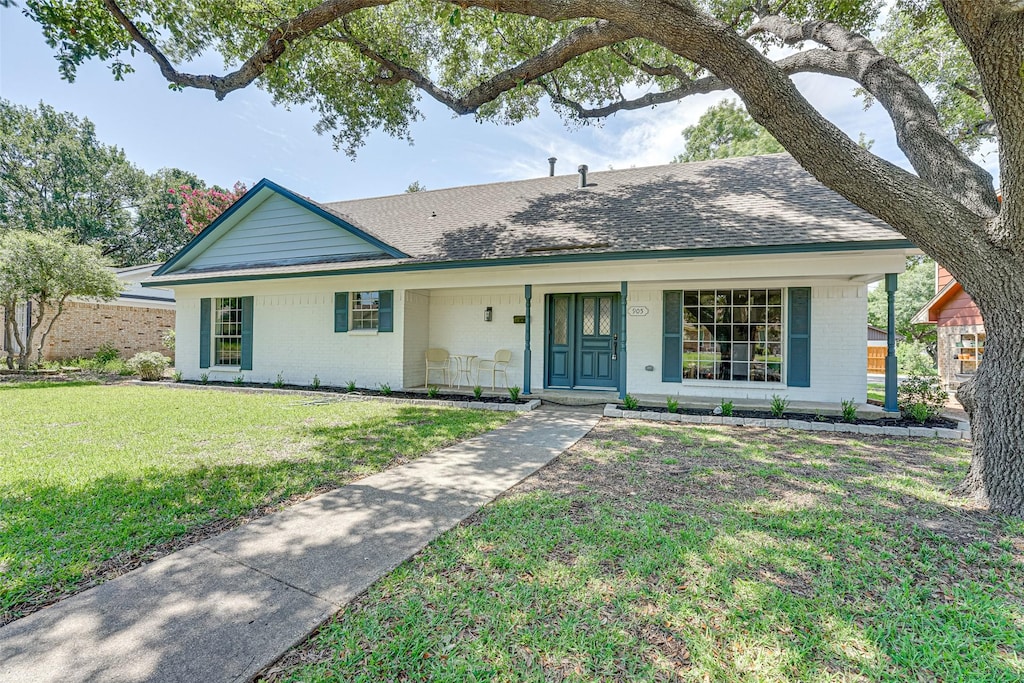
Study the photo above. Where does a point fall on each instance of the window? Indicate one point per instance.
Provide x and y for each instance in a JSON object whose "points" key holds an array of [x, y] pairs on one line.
{"points": [[732, 334], [365, 311], [969, 351], [227, 331]]}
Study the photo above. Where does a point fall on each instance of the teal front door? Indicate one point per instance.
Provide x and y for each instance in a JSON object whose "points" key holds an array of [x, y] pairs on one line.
{"points": [[582, 341]]}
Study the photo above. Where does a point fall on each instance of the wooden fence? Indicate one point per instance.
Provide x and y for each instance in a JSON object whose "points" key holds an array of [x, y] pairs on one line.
{"points": [[876, 360]]}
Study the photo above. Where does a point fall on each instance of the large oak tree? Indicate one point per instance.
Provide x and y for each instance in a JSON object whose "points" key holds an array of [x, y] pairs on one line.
{"points": [[363, 64]]}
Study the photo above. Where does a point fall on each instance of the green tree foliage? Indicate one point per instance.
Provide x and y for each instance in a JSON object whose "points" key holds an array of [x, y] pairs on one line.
{"points": [[915, 288], [46, 269], [415, 186], [55, 175], [726, 130]]}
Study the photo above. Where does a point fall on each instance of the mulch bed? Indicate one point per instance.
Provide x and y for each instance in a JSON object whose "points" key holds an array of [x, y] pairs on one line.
{"points": [[324, 389], [941, 422]]}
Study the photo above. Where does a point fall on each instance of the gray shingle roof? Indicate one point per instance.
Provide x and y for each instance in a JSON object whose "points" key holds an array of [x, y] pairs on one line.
{"points": [[741, 202]]}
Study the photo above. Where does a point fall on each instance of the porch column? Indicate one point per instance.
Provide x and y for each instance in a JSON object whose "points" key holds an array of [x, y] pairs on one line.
{"points": [[891, 369], [622, 341], [527, 355]]}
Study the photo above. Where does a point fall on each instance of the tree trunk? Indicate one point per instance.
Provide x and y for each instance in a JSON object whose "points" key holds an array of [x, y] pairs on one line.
{"points": [[994, 400]]}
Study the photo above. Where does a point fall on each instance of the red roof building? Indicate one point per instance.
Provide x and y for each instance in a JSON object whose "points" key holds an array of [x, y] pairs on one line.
{"points": [[961, 330]]}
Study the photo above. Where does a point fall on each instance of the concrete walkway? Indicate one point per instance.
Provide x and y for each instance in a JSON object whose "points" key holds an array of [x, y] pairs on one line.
{"points": [[225, 608]]}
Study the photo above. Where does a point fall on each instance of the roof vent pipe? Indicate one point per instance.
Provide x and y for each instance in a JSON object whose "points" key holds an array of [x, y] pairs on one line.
{"points": [[552, 161], [583, 174]]}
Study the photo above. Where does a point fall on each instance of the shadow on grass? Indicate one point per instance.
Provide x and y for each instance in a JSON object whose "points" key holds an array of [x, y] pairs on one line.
{"points": [[657, 553], [57, 539], [47, 384]]}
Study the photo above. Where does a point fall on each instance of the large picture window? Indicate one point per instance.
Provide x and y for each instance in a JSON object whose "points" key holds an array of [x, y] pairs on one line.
{"points": [[969, 351], [732, 334], [227, 331], [365, 311]]}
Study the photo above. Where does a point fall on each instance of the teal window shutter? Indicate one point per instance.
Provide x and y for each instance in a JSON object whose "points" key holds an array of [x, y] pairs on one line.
{"points": [[247, 333], [205, 321], [672, 339], [341, 312], [799, 373], [386, 313]]}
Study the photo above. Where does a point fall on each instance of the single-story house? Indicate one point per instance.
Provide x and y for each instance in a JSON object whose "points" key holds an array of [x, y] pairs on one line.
{"points": [[134, 322], [732, 278], [959, 326]]}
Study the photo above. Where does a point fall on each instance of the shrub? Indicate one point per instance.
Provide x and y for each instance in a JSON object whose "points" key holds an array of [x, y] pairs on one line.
{"points": [[513, 393], [279, 382], [149, 366], [386, 389], [849, 410], [478, 391], [629, 402], [919, 412], [924, 391], [177, 375], [204, 378], [106, 353], [672, 404], [779, 405], [168, 339], [315, 384], [727, 408], [433, 391], [912, 359], [350, 385], [239, 381]]}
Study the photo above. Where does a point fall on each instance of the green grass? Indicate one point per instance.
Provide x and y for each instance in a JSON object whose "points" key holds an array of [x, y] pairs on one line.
{"points": [[876, 392], [94, 476], [703, 554]]}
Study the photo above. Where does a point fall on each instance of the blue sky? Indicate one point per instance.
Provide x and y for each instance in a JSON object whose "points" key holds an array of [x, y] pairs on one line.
{"points": [[245, 137]]}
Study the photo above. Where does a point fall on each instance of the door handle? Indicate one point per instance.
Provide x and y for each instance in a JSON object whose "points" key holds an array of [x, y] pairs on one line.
{"points": [[615, 347]]}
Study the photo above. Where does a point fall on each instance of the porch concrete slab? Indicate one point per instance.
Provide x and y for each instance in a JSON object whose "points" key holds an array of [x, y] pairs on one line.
{"points": [[224, 609], [191, 616]]}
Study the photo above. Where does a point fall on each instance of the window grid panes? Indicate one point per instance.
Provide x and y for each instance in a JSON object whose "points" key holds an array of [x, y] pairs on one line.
{"points": [[605, 319], [365, 311], [732, 334], [227, 331]]}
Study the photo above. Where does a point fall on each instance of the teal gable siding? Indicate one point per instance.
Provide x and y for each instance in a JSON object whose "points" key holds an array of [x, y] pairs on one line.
{"points": [[280, 231]]}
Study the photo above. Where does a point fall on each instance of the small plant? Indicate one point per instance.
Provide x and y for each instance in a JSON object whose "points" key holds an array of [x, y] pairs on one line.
{"points": [[819, 416], [204, 378], [727, 408], [919, 412], [629, 402], [168, 339], [315, 384], [433, 391], [923, 390], [849, 410], [350, 385], [513, 393], [279, 382], [672, 404], [106, 353], [149, 366], [779, 405], [385, 389], [239, 381], [478, 391], [177, 375]]}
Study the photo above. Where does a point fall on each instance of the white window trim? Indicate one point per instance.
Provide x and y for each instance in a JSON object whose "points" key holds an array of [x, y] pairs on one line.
{"points": [[353, 299]]}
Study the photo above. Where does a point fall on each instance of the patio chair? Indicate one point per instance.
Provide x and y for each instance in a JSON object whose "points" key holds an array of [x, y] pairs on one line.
{"points": [[437, 360], [502, 358]]}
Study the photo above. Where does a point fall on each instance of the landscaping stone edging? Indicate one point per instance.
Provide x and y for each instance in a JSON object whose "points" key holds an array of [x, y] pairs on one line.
{"points": [[428, 402], [612, 410]]}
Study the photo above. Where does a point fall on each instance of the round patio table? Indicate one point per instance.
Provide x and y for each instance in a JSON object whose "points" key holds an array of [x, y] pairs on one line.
{"points": [[464, 368]]}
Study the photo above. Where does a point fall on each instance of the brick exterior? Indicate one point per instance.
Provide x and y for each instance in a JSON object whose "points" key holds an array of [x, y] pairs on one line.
{"points": [[83, 327]]}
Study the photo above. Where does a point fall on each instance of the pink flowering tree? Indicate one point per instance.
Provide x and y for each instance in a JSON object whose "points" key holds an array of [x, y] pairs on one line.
{"points": [[200, 206]]}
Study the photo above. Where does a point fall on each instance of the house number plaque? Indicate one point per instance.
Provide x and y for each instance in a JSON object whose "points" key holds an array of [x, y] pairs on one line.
{"points": [[638, 311]]}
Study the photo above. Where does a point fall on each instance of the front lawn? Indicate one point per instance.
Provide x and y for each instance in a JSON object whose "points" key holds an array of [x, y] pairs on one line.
{"points": [[703, 554], [96, 479]]}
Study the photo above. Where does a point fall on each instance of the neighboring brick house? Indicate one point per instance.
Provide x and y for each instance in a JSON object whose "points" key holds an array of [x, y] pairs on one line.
{"points": [[134, 322], [961, 331]]}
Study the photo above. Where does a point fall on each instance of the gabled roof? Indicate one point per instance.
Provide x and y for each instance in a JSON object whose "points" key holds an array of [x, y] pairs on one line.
{"points": [[765, 204], [255, 195], [929, 313]]}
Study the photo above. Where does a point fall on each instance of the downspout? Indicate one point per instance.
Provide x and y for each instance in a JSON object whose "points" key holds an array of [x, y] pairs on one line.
{"points": [[527, 354], [891, 369]]}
